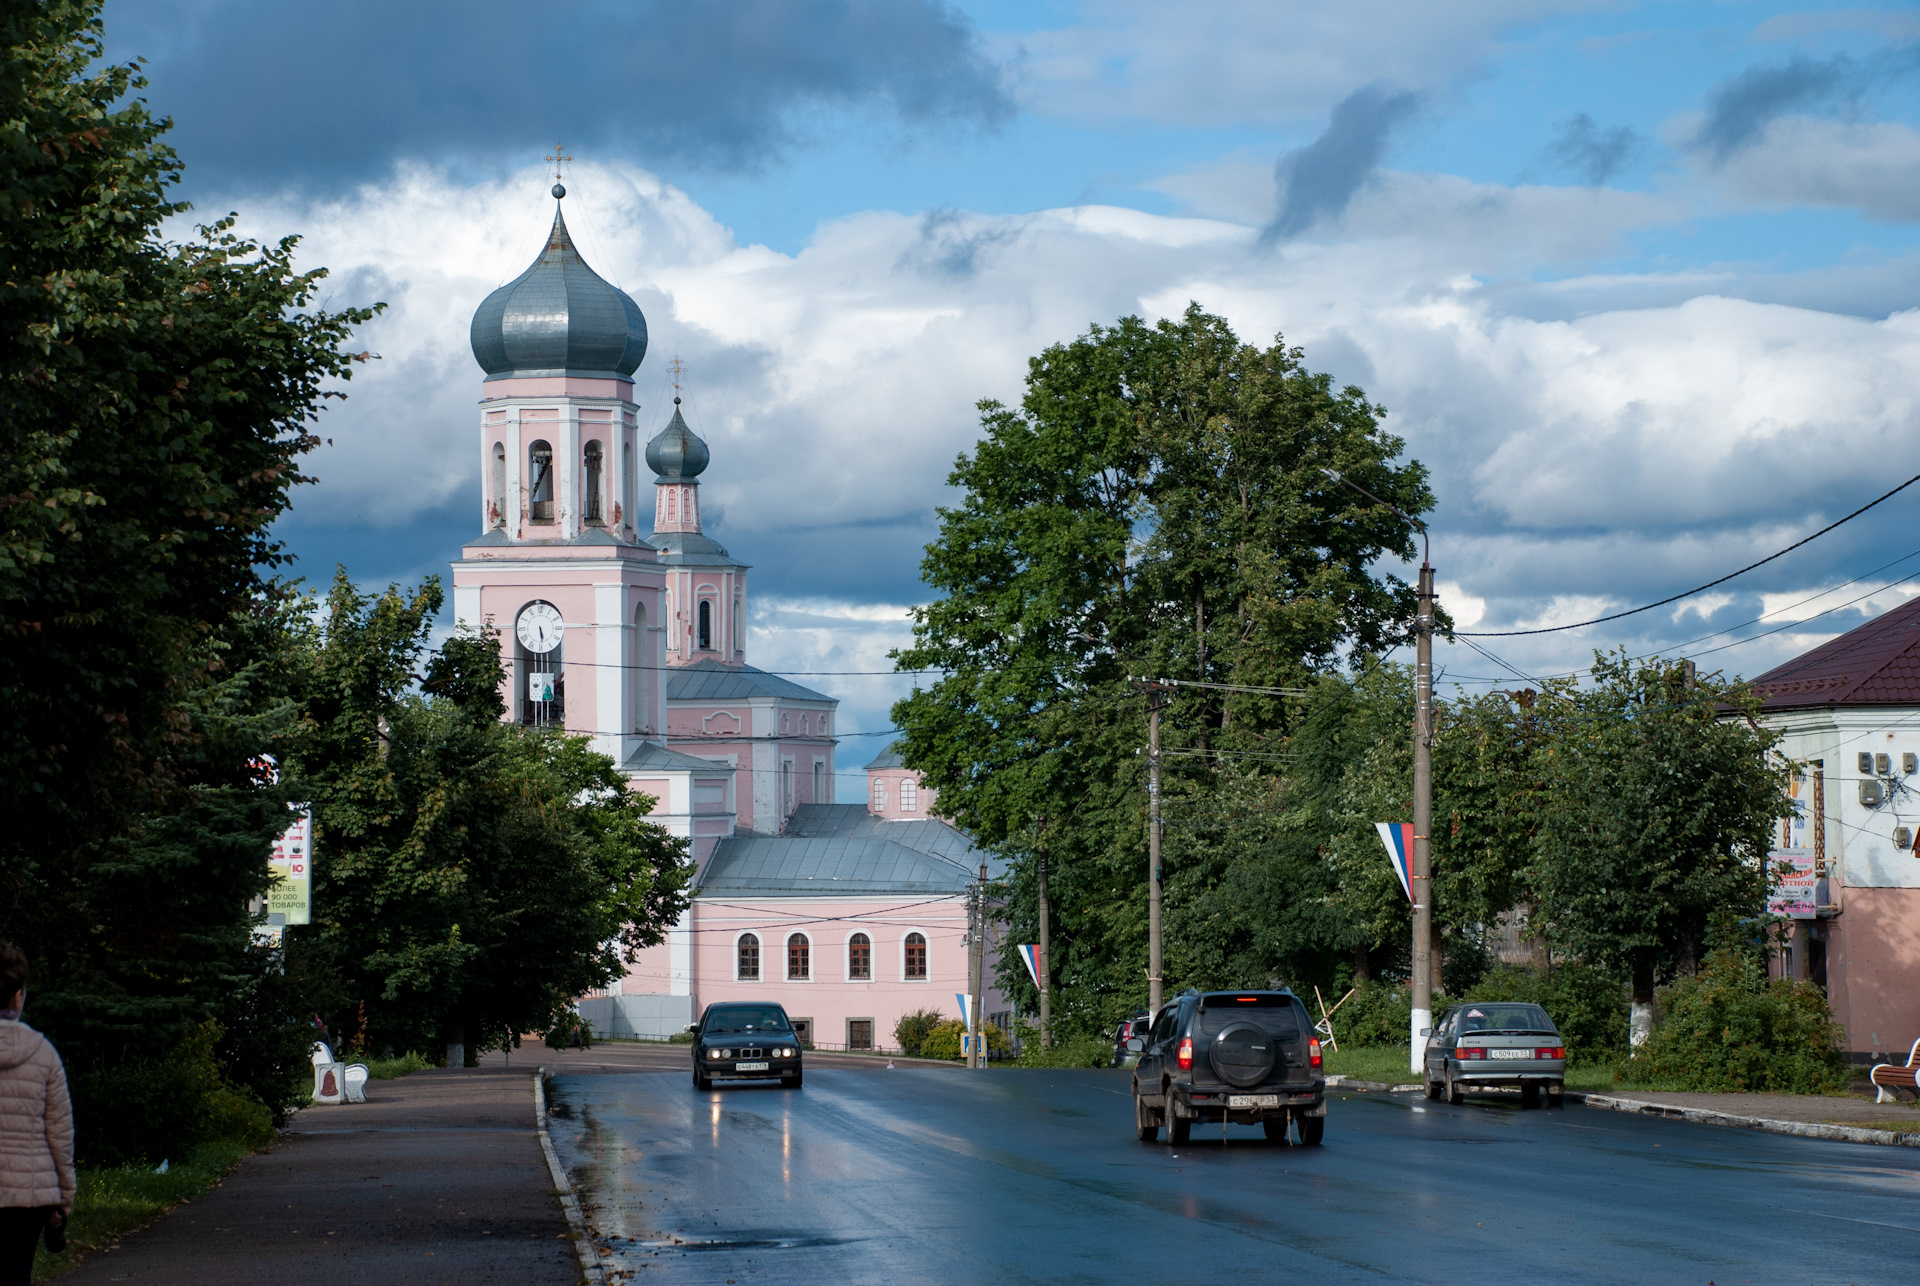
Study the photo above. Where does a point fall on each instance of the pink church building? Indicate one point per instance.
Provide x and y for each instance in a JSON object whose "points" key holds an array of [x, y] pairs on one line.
{"points": [[849, 914]]}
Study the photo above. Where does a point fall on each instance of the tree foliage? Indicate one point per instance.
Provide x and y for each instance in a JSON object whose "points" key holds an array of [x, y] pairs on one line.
{"points": [[472, 877]]}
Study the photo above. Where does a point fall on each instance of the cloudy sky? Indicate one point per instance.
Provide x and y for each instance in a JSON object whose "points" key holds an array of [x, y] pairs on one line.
{"points": [[1640, 282]]}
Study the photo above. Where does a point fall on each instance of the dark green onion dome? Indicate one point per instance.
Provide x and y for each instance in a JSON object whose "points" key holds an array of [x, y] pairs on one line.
{"points": [[559, 317], [676, 454]]}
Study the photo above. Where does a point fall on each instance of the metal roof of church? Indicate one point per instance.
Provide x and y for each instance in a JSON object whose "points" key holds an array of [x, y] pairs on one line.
{"points": [[1876, 664], [651, 754], [842, 849], [888, 758], [559, 317], [712, 681]]}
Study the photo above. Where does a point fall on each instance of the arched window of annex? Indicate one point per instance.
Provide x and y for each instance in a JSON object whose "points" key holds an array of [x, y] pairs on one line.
{"points": [[498, 472], [705, 629], [540, 481], [879, 794], [913, 957], [746, 958], [593, 469], [799, 958], [860, 958], [909, 794]]}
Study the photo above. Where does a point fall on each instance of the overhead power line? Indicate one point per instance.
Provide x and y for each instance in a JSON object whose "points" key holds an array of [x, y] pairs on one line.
{"points": [[1698, 589]]}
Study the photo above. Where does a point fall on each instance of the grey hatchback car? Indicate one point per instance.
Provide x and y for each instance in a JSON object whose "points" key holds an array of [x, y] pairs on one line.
{"points": [[1497, 1043]]}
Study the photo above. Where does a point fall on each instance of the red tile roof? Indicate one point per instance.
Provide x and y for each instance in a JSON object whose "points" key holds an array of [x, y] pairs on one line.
{"points": [[1876, 664]]}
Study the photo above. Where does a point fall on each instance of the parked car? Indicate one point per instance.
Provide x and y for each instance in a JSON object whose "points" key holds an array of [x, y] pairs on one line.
{"points": [[1237, 1056], [1126, 1031], [751, 1041], [1482, 1044]]}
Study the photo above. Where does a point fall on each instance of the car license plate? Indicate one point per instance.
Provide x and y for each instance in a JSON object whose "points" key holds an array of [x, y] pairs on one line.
{"points": [[1253, 1100], [749, 1067], [1509, 1053]]}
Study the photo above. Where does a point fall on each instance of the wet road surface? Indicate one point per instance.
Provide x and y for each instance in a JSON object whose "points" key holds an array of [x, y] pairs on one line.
{"points": [[869, 1175]]}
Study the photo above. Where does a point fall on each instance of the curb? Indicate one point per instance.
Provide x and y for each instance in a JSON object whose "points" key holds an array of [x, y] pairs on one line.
{"points": [[1705, 1116], [1371, 1087], [590, 1267]]}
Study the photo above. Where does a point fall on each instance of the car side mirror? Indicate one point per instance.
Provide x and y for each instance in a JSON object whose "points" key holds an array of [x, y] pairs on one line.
{"points": [[692, 1027], [1135, 1045], [1426, 1031]]}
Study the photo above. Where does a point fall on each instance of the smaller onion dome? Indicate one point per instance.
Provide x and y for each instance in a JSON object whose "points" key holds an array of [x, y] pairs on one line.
{"points": [[559, 317], [676, 453]]}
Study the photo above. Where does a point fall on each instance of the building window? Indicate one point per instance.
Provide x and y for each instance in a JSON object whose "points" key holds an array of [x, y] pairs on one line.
{"points": [[799, 958], [590, 465], [859, 1033], [499, 515], [739, 627], [786, 786], [879, 795], [860, 957], [540, 484], [640, 673], [909, 795], [916, 956], [706, 625], [820, 782], [749, 970]]}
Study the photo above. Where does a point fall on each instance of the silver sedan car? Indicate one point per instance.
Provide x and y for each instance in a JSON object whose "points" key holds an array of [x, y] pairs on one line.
{"points": [[1496, 1043]]}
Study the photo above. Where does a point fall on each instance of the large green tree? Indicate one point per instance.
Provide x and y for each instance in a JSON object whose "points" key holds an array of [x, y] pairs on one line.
{"points": [[1154, 508], [155, 398], [472, 877]]}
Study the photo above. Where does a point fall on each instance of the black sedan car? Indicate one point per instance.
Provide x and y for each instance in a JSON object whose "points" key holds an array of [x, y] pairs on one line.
{"points": [[742, 1040]]}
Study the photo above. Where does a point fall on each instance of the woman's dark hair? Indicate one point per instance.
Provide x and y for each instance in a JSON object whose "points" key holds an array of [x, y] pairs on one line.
{"points": [[13, 971]]}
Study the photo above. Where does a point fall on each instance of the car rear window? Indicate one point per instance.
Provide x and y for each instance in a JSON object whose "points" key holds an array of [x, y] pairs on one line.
{"points": [[1278, 1015], [768, 1018], [1506, 1018]]}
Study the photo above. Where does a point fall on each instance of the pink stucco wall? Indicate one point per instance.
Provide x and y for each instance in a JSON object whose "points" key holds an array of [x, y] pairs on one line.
{"points": [[830, 998], [1873, 969], [886, 796]]}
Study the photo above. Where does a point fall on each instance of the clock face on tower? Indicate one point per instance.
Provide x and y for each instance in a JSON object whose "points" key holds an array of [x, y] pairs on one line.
{"points": [[539, 627]]}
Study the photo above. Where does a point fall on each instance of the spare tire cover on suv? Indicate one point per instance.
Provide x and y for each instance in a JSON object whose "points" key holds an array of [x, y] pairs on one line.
{"points": [[1243, 1054]]}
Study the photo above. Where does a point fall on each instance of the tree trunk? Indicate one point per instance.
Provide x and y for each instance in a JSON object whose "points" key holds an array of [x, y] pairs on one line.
{"points": [[1362, 967], [457, 1056], [1640, 1014]]}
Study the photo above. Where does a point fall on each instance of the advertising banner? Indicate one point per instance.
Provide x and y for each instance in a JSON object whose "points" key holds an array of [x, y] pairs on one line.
{"points": [[1790, 884], [292, 893]]}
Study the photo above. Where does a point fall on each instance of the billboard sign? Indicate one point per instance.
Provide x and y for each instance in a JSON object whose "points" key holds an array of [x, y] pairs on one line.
{"points": [[291, 896], [1790, 883]]}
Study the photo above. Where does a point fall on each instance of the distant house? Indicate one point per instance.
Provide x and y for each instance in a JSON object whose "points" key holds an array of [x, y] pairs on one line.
{"points": [[848, 918], [1850, 711]]}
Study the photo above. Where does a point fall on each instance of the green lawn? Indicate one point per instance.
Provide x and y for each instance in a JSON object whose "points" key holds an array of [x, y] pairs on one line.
{"points": [[1389, 1065]]}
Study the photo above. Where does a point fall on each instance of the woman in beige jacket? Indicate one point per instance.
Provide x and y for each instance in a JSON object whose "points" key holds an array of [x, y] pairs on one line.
{"points": [[36, 1129]]}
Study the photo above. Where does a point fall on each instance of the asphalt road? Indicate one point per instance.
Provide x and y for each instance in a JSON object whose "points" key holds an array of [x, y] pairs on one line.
{"points": [[919, 1173]]}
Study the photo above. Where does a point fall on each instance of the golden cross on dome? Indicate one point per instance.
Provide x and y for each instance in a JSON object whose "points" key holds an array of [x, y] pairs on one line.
{"points": [[559, 160], [676, 368]]}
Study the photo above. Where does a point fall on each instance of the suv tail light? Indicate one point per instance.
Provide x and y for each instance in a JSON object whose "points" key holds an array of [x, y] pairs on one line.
{"points": [[1186, 1053], [1313, 1052], [1464, 1052], [1551, 1051]]}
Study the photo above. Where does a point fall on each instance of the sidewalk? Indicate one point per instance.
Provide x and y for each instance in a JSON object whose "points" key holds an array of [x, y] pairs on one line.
{"points": [[438, 1177], [1843, 1120]]}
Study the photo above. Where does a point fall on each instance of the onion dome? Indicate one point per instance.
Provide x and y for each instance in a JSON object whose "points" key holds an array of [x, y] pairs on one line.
{"points": [[559, 317], [676, 454]]}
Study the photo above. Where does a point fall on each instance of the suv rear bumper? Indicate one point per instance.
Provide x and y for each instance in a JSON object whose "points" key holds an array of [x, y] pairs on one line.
{"points": [[1214, 1105]]}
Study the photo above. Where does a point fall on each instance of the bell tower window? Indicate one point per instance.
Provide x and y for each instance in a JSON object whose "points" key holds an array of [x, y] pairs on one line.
{"points": [[540, 488], [498, 516], [590, 465], [706, 625]]}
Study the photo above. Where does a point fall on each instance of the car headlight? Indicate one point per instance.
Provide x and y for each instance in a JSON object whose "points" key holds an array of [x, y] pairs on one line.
{"points": [[713, 1053], [786, 1053]]}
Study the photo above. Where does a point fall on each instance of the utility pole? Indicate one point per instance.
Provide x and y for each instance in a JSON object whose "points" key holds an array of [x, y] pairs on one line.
{"points": [[1046, 957], [1420, 861], [1153, 848], [1420, 876], [976, 958]]}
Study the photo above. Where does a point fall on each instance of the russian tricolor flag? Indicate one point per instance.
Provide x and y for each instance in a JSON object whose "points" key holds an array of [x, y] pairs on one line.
{"points": [[1398, 837], [1035, 962]]}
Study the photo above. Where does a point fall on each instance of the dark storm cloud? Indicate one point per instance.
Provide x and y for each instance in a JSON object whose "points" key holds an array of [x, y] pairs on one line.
{"points": [[1318, 180], [1594, 153], [279, 90], [1740, 108]]}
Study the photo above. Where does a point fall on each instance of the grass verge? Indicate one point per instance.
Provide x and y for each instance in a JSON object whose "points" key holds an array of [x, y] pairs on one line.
{"points": [[387, 1069], [110, 1203], [1385, 1063]]}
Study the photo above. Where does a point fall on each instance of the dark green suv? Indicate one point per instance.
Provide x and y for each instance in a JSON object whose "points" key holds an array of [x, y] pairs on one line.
{"points": [[745, 1040], [1238, 1056]]}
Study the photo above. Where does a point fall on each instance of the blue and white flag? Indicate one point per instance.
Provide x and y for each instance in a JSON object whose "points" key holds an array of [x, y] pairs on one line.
{"points": [[966, 1018], [1398, 837]]}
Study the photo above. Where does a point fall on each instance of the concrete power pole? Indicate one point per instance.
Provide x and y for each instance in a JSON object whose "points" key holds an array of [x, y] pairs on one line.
{"points": [[1046, 960], [976, 961], [1422, 857], [1153, 848]]}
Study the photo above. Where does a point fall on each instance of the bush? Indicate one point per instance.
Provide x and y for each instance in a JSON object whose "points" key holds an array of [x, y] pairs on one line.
{"points": [[1587, 1004], [569, 1031], [1071, 1051], [1728, 1029], [910, 1033], [1379, 1013], [944, 1041], [149, 1110], [389, 1069]]}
